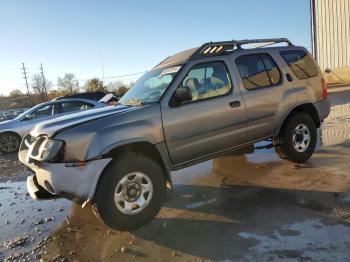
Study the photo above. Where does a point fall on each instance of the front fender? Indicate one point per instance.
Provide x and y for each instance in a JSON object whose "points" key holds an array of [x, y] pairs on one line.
{"points": [[94, 139], [129, 141]]}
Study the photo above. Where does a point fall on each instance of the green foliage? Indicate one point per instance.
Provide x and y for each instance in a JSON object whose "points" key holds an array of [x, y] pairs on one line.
{"points": [[95, 84]]}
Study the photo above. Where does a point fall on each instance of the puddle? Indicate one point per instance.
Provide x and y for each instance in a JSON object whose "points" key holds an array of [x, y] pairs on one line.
{"points": [[313, 241], [21, 216]]}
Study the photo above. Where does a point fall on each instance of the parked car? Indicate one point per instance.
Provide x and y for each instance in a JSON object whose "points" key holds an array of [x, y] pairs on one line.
{"points": [[11, 114], [2, 117], [193, 106], [109, 99], [12, 131], [91, 95]]}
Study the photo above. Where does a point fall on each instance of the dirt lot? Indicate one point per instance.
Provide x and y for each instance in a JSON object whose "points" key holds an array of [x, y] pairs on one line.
{"points": [[235, 208]]}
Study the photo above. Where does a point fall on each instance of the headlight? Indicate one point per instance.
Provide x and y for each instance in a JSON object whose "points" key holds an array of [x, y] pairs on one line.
{"points": [[46, 149]]}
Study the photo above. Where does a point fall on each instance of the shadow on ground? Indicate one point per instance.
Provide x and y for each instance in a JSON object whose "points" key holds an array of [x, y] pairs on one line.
{"points": [[233, 209]]}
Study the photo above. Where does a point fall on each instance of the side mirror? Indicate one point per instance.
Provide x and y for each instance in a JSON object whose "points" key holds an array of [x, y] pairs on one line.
{"points": [[29, 117], [183, 94]]}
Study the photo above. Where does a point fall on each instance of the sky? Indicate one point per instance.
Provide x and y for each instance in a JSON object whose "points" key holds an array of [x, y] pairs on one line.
{"points": [[75, 36]]}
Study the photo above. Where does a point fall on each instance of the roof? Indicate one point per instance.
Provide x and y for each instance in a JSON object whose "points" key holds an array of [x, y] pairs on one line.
{"points": [[218, 48], [179, 57]]}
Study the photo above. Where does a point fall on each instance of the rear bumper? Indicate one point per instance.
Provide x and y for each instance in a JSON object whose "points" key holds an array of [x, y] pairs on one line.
{"points": [[323, 108], [76, 183]]}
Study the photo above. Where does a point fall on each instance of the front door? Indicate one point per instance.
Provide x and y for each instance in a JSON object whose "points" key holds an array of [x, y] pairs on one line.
{"points": [[214, 120]]}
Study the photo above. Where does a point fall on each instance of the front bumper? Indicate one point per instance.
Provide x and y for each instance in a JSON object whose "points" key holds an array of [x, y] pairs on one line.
{"points": [[36, 191], [75, 183]]}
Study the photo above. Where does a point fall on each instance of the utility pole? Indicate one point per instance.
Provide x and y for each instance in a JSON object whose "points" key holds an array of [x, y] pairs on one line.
{"points": [[44, 82], [103, 69], [25, 77]]}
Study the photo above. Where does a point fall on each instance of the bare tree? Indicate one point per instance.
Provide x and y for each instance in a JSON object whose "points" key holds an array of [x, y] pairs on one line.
{"points": [[39, 84], [68, 82]]}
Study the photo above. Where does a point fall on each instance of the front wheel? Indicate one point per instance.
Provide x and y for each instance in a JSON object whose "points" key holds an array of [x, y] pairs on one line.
{"points": [[130, 192], [9, 143], [297, 139]]}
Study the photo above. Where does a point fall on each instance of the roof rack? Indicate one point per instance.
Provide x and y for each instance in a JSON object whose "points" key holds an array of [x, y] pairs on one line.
{"points": [[217, 48]]}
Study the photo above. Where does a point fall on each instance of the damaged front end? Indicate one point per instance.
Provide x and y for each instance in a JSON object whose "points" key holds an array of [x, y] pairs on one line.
{"points": [[53, 176]]}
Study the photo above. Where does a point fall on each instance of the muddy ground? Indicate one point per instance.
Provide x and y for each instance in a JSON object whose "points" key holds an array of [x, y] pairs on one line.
{"points": [[235, 208]]}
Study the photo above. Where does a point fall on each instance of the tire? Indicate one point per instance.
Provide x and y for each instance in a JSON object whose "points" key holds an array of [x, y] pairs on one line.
{"points": [[117, 178], [291, 143], [9, 143]]}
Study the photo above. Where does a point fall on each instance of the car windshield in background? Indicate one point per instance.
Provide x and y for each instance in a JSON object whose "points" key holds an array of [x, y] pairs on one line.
{"points": [[150, 87], [26, 112]]}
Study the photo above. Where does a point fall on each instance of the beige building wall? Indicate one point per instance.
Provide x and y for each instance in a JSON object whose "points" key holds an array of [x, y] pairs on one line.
{"points": [[331, 37]]}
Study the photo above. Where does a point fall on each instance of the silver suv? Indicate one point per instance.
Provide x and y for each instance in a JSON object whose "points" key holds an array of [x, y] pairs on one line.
{"points": [[196, 105]]}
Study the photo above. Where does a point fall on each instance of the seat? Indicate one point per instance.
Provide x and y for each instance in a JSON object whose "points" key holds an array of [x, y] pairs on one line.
{"points": [[193, 85]]}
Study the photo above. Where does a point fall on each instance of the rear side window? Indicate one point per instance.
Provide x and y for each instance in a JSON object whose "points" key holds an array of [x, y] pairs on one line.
{"points": [[301, 63], [70, 106], [258, 71]]}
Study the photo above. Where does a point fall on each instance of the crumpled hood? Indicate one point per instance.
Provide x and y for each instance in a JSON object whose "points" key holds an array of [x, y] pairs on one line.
{"points": [[53, 126]]}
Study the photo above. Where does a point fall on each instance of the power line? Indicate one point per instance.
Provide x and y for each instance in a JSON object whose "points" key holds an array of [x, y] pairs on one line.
{"points": [[120, 76]]}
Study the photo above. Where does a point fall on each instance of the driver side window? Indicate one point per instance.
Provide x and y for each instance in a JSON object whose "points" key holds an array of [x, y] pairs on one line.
{"points": [[45, 111], [207, 80]]}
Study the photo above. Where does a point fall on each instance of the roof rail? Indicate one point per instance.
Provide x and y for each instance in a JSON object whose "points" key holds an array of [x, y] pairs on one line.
{"points": [[217, 48]]}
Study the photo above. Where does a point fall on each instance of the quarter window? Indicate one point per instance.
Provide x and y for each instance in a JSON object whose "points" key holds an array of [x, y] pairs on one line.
{"points": [[207, 80], [258, 71], [301, 63]]}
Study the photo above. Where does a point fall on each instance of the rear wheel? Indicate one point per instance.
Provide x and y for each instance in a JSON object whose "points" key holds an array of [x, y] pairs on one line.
{"points": [[9, 143], [297, 139], [130, 193]]}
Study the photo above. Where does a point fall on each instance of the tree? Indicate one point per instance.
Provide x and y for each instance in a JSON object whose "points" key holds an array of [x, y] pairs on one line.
{"points": [[16, 93], [120, 91], [112, 86], [95, 84], [39, 84], [67, 82], [57, 93]]}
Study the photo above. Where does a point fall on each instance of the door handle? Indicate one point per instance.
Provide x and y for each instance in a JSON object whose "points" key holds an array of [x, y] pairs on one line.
{"points": [[235, 104]]}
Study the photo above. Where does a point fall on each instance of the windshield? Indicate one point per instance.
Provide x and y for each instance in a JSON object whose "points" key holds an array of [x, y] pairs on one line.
{"points": [[150, 87], [27, 112]]}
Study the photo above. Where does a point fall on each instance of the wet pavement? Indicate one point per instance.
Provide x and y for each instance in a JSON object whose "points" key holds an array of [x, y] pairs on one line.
{"points": [[252, 207], [25, 222]]}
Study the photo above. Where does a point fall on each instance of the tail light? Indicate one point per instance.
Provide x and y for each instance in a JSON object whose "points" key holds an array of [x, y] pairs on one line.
{"points": [[324, 88]]}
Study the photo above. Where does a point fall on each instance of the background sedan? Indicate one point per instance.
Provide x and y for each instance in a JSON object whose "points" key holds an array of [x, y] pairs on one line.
{"points": [[12, 131]]}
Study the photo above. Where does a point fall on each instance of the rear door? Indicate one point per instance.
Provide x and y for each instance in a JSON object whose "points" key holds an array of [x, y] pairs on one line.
{"points": [[213, 121], [264, 91]]}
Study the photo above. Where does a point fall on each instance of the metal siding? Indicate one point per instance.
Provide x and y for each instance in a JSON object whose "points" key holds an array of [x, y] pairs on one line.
{"points": [[332, 29]]}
